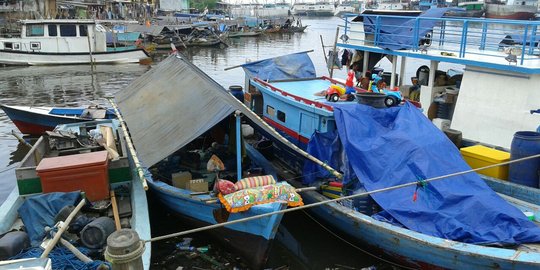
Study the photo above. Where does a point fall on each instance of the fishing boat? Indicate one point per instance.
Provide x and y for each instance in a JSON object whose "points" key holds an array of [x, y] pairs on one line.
{"points": [[36, 120], [344, 8], [320, 9], [46, 191], [469, 9], [174, 154], [383, 144], [243, 32], [63, 42], [511, 10]]}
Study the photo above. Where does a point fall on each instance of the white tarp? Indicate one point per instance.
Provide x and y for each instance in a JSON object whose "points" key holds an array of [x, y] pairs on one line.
{"points": [[172, 104]]}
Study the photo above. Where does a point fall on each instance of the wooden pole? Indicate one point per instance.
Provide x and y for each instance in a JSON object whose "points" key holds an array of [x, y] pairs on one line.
{"points": [[62, 228], [115, 211], [334, 55], [324, 53], [130, 146]]}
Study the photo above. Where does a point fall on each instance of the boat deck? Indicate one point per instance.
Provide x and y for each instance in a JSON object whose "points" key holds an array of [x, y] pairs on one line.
{"points": [[506, 45]]}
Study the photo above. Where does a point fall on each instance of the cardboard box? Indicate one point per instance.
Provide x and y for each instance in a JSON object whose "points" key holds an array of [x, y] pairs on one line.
{"points": [[181, 179], [198, 185]]}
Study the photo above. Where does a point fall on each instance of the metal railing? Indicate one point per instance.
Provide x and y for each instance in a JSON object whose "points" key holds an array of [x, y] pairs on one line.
{"points": [[518, 40]]}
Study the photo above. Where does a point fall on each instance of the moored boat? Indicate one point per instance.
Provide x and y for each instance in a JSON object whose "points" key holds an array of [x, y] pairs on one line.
{"points": [[48, 188], [511, 10], [36, 120], [180, 184], [369, 140], [62, 42]]}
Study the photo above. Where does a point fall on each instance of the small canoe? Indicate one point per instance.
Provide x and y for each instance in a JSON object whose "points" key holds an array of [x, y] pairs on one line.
{"points": [[36, 120]]}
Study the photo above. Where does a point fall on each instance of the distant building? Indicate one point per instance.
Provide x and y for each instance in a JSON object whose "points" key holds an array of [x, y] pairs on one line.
{"points": [[23, 8], [174, 5]]}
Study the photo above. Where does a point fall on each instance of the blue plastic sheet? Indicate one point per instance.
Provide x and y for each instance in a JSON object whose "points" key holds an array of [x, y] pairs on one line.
{"points": [[393, 146], [291, 66], [39, 211], [397, 32]]}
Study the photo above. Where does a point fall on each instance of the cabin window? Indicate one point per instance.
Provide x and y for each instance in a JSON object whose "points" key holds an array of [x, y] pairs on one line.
{"points": [[34, 30], [281, 116], [53, 31], [8, 45], [68, 30], [83, 30], [35, 46], [270, 110]]}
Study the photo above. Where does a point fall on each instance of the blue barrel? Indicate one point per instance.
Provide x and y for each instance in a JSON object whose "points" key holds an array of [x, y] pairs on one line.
{"points": [[237, 91], [524, 144]]}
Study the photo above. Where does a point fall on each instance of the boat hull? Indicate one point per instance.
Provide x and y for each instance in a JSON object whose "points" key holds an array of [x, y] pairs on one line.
{"points": [[410, 248], [37, 120], [510, 12], [251, 239], [10, 57]]}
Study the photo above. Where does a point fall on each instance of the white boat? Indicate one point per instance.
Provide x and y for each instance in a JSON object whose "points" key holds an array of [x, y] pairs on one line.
{"points": [[344, 8], [391, 5], [58, 42], [257, 10], [314, 9], [511, 9]]}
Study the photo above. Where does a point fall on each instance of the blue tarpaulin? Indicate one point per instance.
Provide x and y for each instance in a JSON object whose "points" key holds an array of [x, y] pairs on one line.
{"points": [[39, 211], [393, 146], [291, 66], [397, 32]]}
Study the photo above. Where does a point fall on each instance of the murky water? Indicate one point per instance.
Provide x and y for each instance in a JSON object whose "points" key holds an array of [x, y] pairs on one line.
{"points": [[303, 244]]}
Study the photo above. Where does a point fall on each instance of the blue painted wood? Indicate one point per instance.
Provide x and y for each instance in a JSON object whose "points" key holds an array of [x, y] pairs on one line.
{"points": [[412, 248]]}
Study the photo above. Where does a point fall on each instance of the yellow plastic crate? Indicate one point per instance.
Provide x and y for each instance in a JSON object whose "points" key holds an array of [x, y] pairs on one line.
{"points": [[479, 156]]}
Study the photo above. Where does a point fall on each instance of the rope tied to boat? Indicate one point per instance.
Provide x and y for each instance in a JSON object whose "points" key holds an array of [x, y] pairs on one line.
{"points": [[422, 182]]}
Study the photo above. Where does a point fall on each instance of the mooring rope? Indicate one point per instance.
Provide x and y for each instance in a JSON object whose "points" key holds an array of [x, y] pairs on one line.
{"points": [[218, 225]]}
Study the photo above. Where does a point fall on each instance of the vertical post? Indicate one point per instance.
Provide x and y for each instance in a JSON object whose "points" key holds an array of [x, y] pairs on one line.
{"points": [[346, 24], [238, 115], [366, 62], [88, 32], [402, 70], [463, 46], [442, 34], [334, 54], [377, 30], [524, 46], [393, 75], [533, 39], [484, 35], [416, 34], [433, 65]]}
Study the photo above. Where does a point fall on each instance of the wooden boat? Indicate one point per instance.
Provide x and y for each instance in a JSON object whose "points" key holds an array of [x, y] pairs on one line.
{"points": [[121, 171], [244, 34], [250, 239], [62, 42], [36, 120], [294, 29], [413, 249]]}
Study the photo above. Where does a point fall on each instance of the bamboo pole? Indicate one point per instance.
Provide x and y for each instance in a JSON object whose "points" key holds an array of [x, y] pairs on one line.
{"points": [[334, 55], [115, 211], [129, 143], [414, 183], [63, 227]]}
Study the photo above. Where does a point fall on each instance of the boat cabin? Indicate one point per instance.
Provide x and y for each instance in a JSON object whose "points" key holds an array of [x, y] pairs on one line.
{"points": [[57, 36]]}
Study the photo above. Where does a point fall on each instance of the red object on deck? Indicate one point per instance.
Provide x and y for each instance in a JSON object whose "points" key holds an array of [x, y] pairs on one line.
{"points": [[87, 172], [335, 184]]}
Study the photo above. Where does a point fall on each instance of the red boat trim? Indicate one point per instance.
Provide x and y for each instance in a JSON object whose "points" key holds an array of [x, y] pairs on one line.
{"points": [[32, 129], [297, 98], [287, 130]]}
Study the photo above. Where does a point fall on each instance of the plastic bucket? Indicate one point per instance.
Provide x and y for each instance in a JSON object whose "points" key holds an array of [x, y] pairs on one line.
{"points": [[375, 100], [237, 91], [524, 144]]}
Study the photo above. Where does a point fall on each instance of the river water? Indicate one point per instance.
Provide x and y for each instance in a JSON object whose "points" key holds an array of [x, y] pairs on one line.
{"points": [[302, 243]]}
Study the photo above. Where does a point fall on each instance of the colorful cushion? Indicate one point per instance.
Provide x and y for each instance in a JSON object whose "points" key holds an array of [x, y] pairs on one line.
{"points": [[244, 199], [255, 181]]}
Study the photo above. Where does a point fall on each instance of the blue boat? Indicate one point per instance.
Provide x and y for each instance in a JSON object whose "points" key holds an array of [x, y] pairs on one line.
{"points": [[183, 136], [290, 103], [36, 120], [122, 174]]}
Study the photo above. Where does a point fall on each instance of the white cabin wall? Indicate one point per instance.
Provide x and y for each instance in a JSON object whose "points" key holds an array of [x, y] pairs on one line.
{"points": [[489, 111]]}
